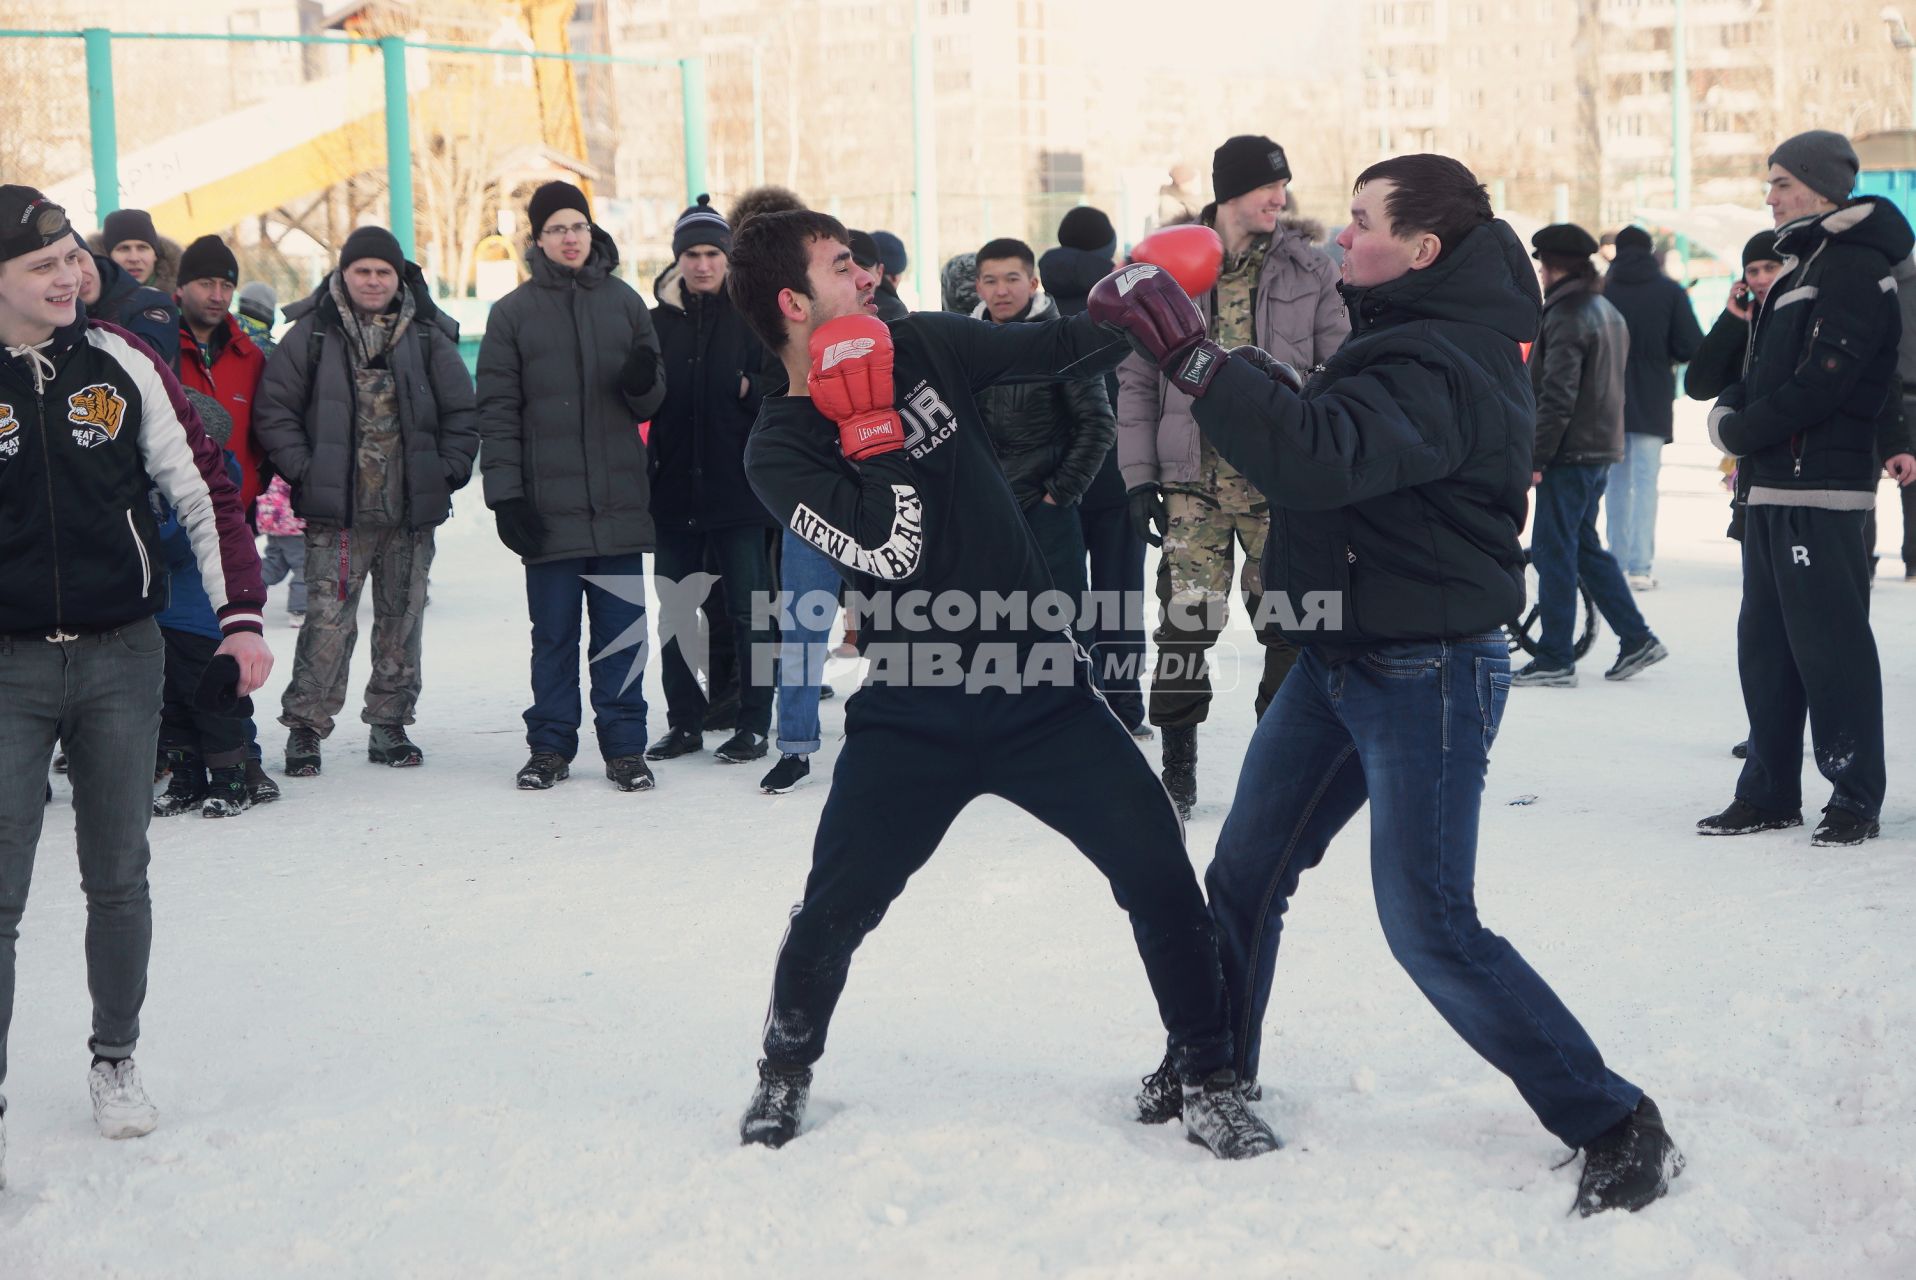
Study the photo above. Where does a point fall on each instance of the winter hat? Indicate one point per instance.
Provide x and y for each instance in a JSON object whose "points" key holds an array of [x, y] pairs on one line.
{"points": [[258, 301], [551, 198], [960, 282], [208, 258], [373, 242], [701, 224], [128, 224], [29, 222], [1245, 163], [1566, 238], [864, 248], [1824, 162], [1761, 247], [154, 319], [891, 252], [1088, 229], [1634, 238], [213, 416]]}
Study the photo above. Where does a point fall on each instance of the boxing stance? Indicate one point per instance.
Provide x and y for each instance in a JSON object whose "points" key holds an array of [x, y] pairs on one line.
{"points": [[1397, 484], [878, 457]]}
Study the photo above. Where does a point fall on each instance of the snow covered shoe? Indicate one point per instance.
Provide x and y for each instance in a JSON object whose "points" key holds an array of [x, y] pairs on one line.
{"points": [[786, 774], [630, 773], [1217, 1118], [777, 1107], [741, 747], [1743, 818], [1538, 674], [1628, 1165], [1162, 1097], [259, 786], [1650, 651], [120, 1105], [676, 743], [185, 789], [302, 754], [388, 744], [226, 794], [1180, 766], [1844, 827], [543, 771]]}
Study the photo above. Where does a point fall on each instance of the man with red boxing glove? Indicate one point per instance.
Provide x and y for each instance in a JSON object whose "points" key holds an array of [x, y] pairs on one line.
{"points": [[886, 467], [1397, 481]]}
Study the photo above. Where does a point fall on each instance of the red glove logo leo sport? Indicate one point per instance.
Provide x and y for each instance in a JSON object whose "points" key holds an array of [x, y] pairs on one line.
{"points": [[850, 349]]}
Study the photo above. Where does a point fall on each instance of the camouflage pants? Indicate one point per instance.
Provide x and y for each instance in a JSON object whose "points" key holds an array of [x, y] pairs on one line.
{"points": [[1194, 594], [397, 561]]}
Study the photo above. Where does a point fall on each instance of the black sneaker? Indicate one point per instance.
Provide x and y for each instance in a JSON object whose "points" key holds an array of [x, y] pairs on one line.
{"points": [[260, 788], [302, 754], [1545, 676], [1180, 766], [1629, 1165], [777, 1107], [1741, 750], [1217, 1118], [1647, 653], [1162, 1097], [226, 793], [826, 693], [741, 747], [1743, 818], [630, 773], [676, 743], [186, 788], [542, 771], [1842, 827], [785, 775], [388, 744]]}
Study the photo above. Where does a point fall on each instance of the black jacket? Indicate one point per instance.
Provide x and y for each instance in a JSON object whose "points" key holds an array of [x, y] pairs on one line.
{"points": [[1821, 373], [1399, 480], [1663, 334], [1068, 275], [698, 434], [1050, 437], [891, 307], [1576, 370]]}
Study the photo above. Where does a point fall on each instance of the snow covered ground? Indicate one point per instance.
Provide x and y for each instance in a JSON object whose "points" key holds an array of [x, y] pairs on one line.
{"points": [[421, 1024]]}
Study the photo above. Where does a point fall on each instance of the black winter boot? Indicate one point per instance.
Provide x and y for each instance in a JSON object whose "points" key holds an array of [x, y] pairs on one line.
{"points": [[1180, 766], [1630, 1164], [187, 788]]}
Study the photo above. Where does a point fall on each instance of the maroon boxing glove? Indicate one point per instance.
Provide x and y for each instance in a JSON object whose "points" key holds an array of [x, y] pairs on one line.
{"points": [[1283, 374], [1144, 303]]}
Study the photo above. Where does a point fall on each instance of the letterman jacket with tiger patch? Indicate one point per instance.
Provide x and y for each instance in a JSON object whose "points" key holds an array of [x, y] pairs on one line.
{"points": [[78, 450]]}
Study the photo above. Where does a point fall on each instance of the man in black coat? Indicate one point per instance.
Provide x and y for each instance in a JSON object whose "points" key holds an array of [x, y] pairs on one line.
{"points": [[1663, 334]]}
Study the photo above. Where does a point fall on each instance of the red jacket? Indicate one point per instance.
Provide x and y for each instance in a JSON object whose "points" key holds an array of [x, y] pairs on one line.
{"points": [[232, 380]]}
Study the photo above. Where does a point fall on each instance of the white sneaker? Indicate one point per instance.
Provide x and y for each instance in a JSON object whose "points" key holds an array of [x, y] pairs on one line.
{"points": [[120, 1105], [1641, 582]]}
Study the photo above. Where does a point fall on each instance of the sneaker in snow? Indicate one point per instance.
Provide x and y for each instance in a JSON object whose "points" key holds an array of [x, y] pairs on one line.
{"points": [[1743, 818], [388, 744], [226, 793], [1217, 1118], [542, 771], [259, 786], [1548, 677], [1843, 827], [120, 1105], [184, 790], [1162, 1097], [1649, 651], [741, 747], [630, 773], [1641, 582], [1629, 1165], [786, 774], [302, 753], [778, 1105]]}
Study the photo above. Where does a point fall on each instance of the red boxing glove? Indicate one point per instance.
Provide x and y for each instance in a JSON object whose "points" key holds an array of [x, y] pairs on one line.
{"points": [[1148, 307], [1192, 254], [850, 383], [1285, 375]]}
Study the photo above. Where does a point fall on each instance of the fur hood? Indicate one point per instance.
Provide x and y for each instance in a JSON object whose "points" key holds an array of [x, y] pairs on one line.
{"points": [[166, 264]]}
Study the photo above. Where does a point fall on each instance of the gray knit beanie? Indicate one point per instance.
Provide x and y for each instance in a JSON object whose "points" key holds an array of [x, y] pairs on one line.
{"points": [[1823, 161]]}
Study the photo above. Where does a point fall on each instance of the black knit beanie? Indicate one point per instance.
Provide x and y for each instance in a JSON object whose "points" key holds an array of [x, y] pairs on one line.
{"points": [[1245, 163], [551, 198]]}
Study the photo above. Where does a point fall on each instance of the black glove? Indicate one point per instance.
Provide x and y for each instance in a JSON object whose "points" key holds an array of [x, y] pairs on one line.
{"points": [[1281, 373], [641, 371], [520, 527], [218, 691], [1148, 510]]}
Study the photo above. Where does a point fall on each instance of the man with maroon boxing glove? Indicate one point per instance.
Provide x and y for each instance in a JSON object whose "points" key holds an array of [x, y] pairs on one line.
{"points": [[879, 458], [1397, 481]]}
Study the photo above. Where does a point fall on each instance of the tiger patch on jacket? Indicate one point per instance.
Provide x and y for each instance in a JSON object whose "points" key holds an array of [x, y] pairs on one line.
{"points": [[9, 432], [96, 413]]}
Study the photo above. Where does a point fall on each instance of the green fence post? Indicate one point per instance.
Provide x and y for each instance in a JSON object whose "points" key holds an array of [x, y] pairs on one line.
{"points": [[101, 125], [392, 50], [692, 90]]}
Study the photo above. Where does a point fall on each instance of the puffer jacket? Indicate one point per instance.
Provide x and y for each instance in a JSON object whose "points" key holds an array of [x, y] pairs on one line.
{"points": [[1298, 317], [1576, 371], [306, 418], [1050, 437], [559, 431], [1663, 334], [1068, 275]]}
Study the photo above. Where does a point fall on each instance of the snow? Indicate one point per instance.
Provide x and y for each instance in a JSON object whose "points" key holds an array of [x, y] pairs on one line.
{"points": [[418, 1023]]}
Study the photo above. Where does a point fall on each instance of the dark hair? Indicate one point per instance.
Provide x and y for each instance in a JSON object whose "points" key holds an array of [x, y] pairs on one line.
{"points": [[1578, 266], [766, 199], [773, 252], [1431, 193], [1006, 247]]}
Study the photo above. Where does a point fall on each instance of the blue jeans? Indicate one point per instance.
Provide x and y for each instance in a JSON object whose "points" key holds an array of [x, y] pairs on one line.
{"points": [[1565, 550], [1632, 523], [554, 593], [1407, 727], [808, 589]]}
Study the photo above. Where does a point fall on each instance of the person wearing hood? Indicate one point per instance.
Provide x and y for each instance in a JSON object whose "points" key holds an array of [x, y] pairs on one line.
{"points": [[1397, 480], [1806, 425], [367, 410], [1663, 334], [1277, 291], [959, 283], [129, 238], [110, 294], [1086, 252], [568, 367]]}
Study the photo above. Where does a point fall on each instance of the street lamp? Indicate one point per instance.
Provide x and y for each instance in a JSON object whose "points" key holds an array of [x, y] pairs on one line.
{"points": [[1900, 36]]}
